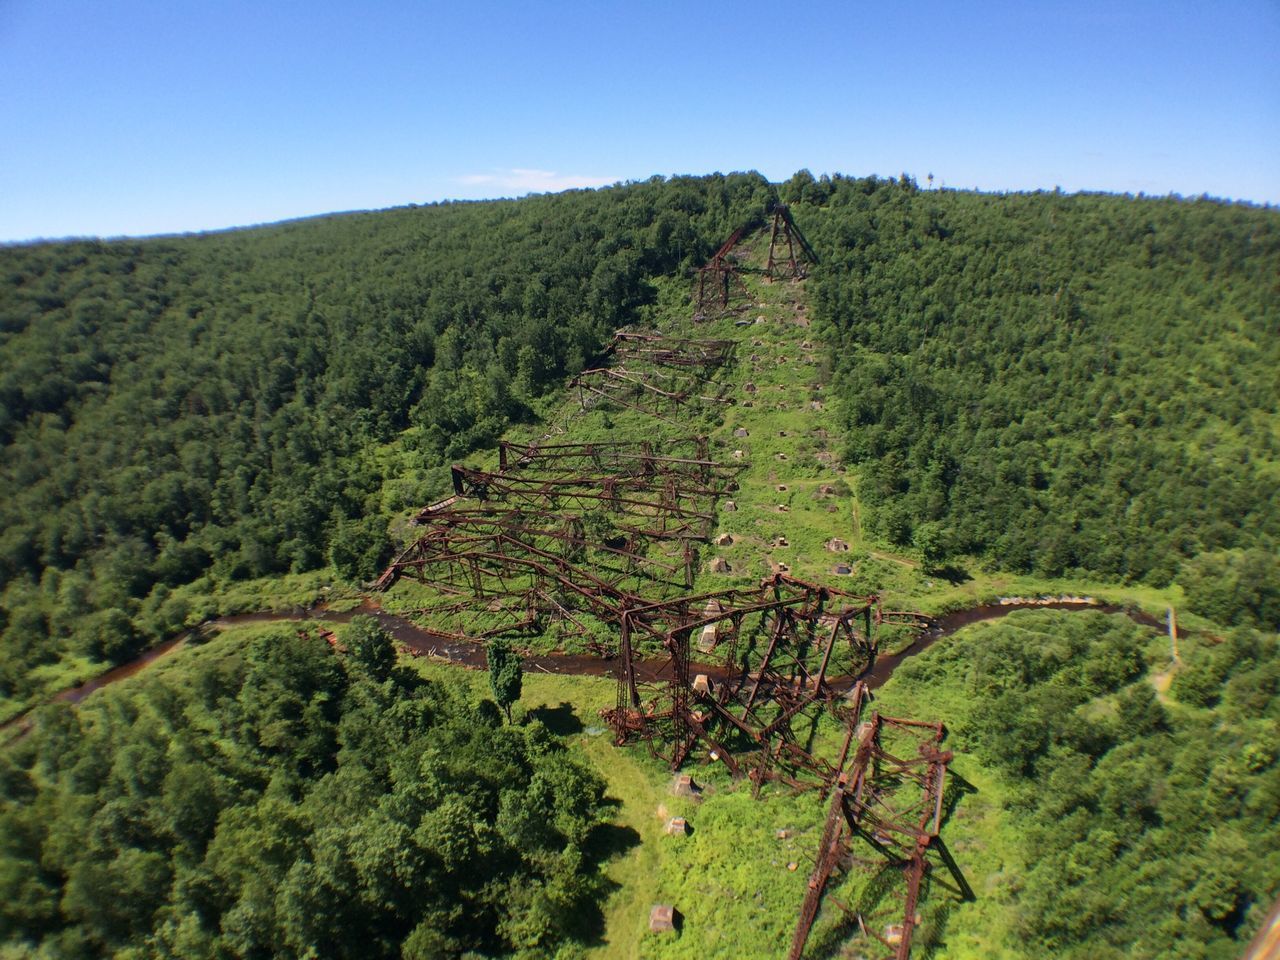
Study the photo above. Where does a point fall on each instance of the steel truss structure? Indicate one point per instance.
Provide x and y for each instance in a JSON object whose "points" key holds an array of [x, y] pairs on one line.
{"points": [[704, 356], [758, 673], [890, 796], [487, 548], [656, 375], [683, 456], [720, 285], [608, 532], [789, 252], [540, 540], [670, 506]]}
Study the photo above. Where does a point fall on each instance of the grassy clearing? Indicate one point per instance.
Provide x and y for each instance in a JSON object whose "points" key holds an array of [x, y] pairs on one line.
{"points": [[209, 598], [732, 878]]}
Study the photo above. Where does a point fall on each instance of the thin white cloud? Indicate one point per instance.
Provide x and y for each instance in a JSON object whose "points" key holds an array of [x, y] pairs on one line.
{"points": [[519, 180]]}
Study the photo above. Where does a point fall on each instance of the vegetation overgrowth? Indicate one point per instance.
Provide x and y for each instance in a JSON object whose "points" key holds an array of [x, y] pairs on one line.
{"points": [[263, 796], [1133, 822], [213, 409], [1063, 384], [987, 399]]}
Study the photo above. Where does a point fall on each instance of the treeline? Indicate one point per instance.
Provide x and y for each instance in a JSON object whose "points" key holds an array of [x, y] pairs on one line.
{"points": [[214, 405], [1059, 383], [274, 799], [1146, 830]]}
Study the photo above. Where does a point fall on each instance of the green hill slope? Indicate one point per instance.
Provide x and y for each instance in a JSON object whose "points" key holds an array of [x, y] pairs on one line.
{"points": [[1059, 383], [216, 406], [1045, 385]]}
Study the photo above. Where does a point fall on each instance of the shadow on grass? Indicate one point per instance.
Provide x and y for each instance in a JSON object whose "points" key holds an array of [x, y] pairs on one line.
{"points": [[957, 789], [609, 840], [560, 720], [932, 936], [878, 904], [952, 574], [605, 842]]}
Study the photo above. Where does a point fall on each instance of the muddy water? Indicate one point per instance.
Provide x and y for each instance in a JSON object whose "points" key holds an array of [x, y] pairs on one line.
{"points": [[472, 654], [76, 694]]}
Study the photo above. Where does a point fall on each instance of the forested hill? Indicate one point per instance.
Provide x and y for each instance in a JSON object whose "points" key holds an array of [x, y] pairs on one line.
{"points": [[178, 406], [1054, 382], [1062, 383], [1070, 385]]}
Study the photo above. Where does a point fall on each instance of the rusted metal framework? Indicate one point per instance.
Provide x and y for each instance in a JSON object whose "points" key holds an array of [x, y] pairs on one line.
{"points": [[657, 393], [737, 671], [523, 567], [680, 456], [640, 533], [706, 356], [789, 251], [890, 796], [606, 533], [618, 487], [658, 507], [539, 540], [498, 538], [657, 375], [720, 285]]}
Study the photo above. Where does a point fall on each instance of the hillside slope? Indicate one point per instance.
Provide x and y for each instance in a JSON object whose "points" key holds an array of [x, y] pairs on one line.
{"points": [[217, 408], [1058, 383], [1004, 691]]}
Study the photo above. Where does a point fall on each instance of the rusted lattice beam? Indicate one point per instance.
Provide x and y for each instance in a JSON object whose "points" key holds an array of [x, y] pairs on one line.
{"points": [[684, 456], [890, 796], [740, 668], [789, 252], [720, 286]]}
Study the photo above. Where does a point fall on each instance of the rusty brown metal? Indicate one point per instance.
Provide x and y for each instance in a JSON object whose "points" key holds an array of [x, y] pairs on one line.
{"points": [[720, 285], [678, 352], [656, 506], [789, 251], [683, 455], [657, 393], [494, 553], [720, 289], [656, 375], [764, 656], [609, 531], [889, 795], [566, 530]]}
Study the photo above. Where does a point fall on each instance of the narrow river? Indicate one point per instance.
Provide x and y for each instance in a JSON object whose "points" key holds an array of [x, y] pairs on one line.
{"points": [[472, 655]]}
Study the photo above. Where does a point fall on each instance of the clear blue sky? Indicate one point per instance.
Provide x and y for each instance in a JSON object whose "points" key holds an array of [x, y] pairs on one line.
{"points": [[151, 116]]}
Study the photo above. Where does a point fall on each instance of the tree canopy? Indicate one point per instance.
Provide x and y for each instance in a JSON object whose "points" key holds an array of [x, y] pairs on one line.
{"points": [[1058, 383], [277, 799], [220, 407], [1144, 825], [506, 674]]}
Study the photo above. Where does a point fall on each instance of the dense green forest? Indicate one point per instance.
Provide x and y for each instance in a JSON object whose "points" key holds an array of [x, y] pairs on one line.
{"points": [[1068, 386], [1057, 383], [1060, 383], [1145, 824], [274, 799], [178, 408]]}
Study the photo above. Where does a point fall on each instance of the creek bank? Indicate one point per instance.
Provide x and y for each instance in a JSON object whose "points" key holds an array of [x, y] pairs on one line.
{"points": [[419, 642]]}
